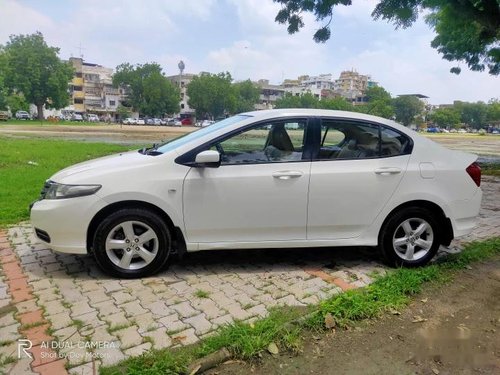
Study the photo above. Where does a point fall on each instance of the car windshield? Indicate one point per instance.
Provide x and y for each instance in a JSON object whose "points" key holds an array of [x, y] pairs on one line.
{"points": [[183, 139]]}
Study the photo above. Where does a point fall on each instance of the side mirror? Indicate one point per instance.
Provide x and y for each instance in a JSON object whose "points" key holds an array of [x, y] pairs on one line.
{"points": [[207, 159]]}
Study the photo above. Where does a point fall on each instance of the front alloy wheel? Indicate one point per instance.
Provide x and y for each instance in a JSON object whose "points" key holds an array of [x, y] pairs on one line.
{"points": [[132, 243]]}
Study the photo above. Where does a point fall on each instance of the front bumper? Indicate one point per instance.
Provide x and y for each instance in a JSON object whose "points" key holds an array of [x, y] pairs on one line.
{"points": [[65, 221]]}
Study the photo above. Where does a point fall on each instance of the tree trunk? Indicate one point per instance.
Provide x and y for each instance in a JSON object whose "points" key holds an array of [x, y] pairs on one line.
{"points": [[39, 108]]}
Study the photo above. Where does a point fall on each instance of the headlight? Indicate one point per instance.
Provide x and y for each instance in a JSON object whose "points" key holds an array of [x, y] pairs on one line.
{"points": [[61, 191]]}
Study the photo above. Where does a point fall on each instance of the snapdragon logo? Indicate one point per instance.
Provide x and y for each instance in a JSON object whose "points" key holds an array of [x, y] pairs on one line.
{"points": [[23, 345]]}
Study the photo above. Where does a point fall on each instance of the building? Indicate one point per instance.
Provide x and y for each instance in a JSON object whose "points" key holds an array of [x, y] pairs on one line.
{"points": [[268, 94], [182, 81], [91, 90], [352, 85]]}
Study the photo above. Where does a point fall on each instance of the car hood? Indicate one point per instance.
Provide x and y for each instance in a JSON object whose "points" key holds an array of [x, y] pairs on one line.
{"points": [[89, 171]]}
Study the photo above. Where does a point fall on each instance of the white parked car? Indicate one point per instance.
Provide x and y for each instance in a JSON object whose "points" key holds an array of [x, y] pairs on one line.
{"points": [[23, 115], [277, 178], [92, 117], [140, 121], [129, 121], [206, 123]]}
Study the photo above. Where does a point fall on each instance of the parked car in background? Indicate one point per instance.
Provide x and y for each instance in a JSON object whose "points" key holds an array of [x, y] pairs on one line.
{"points": [[156, 121], [23, 115], [77, 117], [176, 122], [92, 117], [256, 180], [187, 121], [462, 131], [163, 121], [129, 121], [206, 123], [140, 121]]}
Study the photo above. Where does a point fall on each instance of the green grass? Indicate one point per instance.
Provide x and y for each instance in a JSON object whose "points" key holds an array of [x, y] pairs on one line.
{"points": [[201, 294], [245, 341], [26, 163], [490, 169]]}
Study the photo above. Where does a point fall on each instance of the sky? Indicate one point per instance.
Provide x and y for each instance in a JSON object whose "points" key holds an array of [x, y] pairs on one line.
{"points": [[241, 37]]}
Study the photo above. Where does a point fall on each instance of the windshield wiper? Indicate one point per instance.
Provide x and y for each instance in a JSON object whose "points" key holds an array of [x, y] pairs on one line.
{"points": [[151, 150]]}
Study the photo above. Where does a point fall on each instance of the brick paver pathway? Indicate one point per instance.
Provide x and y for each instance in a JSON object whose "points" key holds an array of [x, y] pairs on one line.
{"points": [[184, 303]]}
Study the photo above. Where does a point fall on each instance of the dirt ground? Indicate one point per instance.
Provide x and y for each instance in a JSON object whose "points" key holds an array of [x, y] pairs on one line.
{"points": [[459, 334]]}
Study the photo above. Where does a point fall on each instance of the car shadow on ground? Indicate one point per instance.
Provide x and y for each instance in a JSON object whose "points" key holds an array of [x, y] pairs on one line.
{"points": [[230, 261]]}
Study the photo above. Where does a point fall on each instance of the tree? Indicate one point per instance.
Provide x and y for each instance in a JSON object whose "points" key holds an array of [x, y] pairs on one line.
{"points": [[212, 95], [494, 111], [340, 104], [445, 117], [148, 91], [17, 102], [474, 114], [407, 108], [34, 70], [123, 112], [379, 103], [466, 30], [247, 95], [3, 90], [306, 100]]}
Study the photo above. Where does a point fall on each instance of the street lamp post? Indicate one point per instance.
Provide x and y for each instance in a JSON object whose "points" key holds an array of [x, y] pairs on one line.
{"points": [[181, 66]]}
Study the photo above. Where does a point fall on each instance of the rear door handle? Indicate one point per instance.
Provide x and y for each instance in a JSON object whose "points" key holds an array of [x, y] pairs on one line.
{"points": [[385, 171], [286, 175]]}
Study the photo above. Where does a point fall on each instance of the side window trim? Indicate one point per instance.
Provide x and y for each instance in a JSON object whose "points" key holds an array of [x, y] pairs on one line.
{"points": [[408, 149], [188, 158]]}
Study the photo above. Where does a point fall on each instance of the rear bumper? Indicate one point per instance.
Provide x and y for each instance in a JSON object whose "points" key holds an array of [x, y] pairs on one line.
{"points": [[464, 214]]}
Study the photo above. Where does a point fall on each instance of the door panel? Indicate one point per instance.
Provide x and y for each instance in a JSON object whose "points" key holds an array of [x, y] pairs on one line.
{"points": [[345, 196], [259, 193], [246, 203]]}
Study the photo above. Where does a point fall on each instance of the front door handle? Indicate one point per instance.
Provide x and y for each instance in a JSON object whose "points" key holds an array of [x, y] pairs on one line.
{"points": [[385, 171], [286, 175]]}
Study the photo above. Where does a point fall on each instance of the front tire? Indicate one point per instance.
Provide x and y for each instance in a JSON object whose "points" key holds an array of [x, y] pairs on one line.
{"points": [[132, 243], [409, 238]]}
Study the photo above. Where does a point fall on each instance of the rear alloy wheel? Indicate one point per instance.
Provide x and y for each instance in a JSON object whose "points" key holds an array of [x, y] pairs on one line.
{"points": [[132, 243], [409, 238]]}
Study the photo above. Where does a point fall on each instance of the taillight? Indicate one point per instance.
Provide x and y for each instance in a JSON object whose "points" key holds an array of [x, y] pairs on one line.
{"points": [[474, 171]]}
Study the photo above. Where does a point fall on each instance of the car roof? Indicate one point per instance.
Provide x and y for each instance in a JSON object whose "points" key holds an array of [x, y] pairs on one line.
{"points": [[292, 112]]}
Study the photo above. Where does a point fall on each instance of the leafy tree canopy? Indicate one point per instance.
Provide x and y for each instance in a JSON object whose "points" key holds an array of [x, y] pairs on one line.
{"points": [[33, 69], [466, 30], [3, 90], [473, 114], [247, 95], [148, 90], [407, 109], [379, 103], [212, 95], [445, 117]]}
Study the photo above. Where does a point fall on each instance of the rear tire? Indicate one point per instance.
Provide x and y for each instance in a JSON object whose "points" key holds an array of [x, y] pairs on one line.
{"points": [[410, 238], [132, 243]]}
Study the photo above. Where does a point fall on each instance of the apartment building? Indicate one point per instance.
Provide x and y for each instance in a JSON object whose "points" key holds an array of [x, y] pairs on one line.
{"points": [[182, 81], [92, 91], [352, 85], [268, 94]]}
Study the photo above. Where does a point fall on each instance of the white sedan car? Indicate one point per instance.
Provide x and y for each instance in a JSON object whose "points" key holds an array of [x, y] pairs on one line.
{"points": [[265, 179]]}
